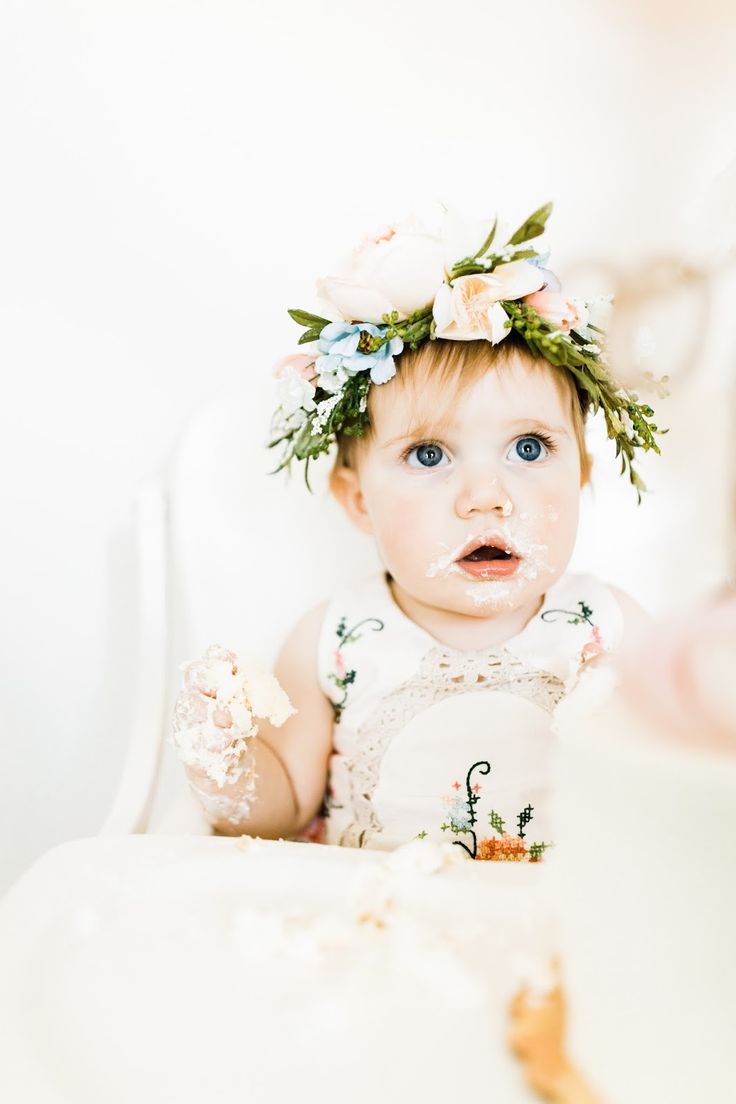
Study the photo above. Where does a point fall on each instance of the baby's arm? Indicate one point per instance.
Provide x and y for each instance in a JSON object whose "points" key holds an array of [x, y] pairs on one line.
{"points": [[291, 761]]}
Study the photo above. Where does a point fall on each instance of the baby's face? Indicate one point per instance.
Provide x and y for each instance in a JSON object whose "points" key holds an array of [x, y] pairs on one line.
{"points": [[504, 472]]}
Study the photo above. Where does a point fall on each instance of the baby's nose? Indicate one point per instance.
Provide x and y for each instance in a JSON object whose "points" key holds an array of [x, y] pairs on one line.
{"points": [[483, 494]]}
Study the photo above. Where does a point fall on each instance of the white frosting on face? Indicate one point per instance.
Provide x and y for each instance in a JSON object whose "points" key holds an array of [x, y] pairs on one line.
{"points": [[503, 593]]}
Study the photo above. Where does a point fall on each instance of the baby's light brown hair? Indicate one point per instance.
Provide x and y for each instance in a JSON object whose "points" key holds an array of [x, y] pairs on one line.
{"points": [[439, 371]]}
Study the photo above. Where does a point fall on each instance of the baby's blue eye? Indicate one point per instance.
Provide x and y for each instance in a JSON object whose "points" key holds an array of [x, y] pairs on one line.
{"points": [[529, 448], [426, 456]]}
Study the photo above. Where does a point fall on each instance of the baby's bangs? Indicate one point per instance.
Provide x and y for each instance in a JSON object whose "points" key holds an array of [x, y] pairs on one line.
{"points": [[437, 373]]}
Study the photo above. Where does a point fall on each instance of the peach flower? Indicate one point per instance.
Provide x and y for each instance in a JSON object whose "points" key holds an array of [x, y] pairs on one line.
{"points": [[553, 307], [470, 308]]}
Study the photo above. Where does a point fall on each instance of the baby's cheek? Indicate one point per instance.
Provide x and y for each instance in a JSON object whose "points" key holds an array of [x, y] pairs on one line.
{"points": [[554, 522], [403, 528]]}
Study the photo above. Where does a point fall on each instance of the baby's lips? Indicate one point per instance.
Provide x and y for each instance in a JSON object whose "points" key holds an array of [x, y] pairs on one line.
{"points": [[489, 540]]}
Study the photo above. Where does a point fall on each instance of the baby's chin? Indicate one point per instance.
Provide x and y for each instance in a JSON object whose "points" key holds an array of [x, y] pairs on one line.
{"points": [[484, 599], [481, 598]]}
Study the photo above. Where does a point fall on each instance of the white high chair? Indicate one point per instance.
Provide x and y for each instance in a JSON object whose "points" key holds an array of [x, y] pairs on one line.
{"points": [[228, 554]]}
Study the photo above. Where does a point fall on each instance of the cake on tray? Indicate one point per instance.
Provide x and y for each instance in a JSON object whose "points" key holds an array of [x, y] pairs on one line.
{"points": [[190, 969]]}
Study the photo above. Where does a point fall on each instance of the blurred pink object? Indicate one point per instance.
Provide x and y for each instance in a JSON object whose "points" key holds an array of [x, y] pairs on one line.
{"points": [[681, 676]]}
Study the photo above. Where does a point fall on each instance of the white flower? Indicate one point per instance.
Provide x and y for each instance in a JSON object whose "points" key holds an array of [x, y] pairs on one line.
{"points": [[469, 309], [323, 412], [398, 269], [294, 393], [284, 426], [331, 379]]}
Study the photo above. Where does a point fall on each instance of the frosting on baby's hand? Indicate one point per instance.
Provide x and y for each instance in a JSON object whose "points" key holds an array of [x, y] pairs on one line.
{"points": [[215, 713]]}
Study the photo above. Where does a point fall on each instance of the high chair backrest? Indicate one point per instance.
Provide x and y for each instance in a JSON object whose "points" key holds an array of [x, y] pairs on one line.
{"points": [[248, 552]]}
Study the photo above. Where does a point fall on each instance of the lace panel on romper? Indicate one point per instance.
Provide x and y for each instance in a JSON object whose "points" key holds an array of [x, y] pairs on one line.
{"points": [[442, 673]]}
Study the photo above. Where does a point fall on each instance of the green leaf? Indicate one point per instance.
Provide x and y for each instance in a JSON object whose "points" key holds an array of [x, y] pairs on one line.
{"points": [[304, 318], [307, 336], [488, 242], [467, 268], [533, 227]]}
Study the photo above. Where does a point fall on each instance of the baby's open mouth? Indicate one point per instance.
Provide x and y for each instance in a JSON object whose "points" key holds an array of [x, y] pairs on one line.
{"points": [[494, 558], [488, 552]]}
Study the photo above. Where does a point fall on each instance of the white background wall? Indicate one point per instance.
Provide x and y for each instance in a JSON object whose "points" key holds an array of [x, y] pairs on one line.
{"points": [[177, 174]]}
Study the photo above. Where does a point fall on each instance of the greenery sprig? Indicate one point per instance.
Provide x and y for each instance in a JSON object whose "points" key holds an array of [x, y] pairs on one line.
{"points": [[483, 261], [595, 380]]}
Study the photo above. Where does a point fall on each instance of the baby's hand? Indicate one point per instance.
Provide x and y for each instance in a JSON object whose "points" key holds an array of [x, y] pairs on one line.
{"points": [[214, 714]]}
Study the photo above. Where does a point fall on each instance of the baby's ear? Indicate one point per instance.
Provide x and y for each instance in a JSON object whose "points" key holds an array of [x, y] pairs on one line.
{"points": [[345, 486]]}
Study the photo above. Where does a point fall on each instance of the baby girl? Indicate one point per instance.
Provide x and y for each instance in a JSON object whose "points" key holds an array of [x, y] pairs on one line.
{"points": [[423, 696]]}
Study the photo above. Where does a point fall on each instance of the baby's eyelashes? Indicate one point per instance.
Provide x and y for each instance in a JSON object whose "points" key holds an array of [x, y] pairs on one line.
{"points": [[426, 455], [530, 449]]}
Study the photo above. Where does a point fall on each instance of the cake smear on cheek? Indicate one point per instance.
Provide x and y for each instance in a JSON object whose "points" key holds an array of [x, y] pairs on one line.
{"points": [[534, 560]]}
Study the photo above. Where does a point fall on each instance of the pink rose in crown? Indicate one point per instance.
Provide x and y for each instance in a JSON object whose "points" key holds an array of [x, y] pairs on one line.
{"points": [[553, 307], [682, 676], [399, 268]]}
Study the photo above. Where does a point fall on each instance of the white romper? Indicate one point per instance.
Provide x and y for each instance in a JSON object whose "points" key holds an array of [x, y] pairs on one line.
{"points": [[432, 742]]}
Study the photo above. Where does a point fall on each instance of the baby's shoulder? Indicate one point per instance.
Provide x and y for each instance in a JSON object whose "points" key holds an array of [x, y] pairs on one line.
{"points": [[635, 617], [362, 599], [610, 604], [302, 640]]}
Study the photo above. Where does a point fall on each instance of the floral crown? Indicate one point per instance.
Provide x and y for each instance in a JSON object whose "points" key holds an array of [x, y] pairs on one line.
{"points": [[402, 291]]}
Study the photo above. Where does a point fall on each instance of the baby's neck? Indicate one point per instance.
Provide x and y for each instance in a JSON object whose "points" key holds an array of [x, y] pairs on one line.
{"points": [[463, 632]]}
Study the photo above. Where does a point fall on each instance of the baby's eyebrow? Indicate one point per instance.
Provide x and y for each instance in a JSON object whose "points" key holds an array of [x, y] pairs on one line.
{"points": [[539, 424], [417, 432], [427, 430]]}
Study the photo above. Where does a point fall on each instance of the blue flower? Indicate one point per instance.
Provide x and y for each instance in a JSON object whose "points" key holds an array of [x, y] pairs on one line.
{"points": [[540, 262], [339, 341]]}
